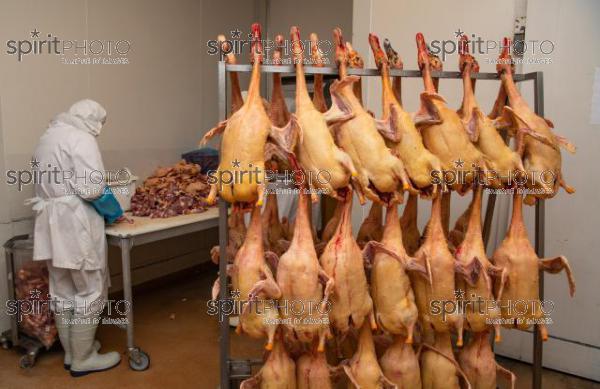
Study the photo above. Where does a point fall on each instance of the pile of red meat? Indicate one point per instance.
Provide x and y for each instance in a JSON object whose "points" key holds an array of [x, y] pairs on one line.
{"points": [[31, 291], [176, 190]]}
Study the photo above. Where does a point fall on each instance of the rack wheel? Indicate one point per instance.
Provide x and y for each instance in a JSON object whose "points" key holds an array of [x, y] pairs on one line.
{"points": [[139, 360], [27, 361], [6, 344]]}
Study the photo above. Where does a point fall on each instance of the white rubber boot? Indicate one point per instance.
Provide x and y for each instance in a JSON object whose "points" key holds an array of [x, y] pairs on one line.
{"points": [[85, 357], [63, 326], [68, 357]]}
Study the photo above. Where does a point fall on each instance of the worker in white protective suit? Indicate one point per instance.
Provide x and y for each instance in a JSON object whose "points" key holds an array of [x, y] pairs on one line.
{"points": [[70, 205]]}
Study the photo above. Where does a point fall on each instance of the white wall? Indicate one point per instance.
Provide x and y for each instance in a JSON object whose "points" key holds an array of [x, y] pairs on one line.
{"points": [[316, 16], [159, 105], [571, 221]]}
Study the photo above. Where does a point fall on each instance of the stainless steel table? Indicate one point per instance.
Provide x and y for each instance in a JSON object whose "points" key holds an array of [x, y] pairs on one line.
{"points": [[146, 230]]}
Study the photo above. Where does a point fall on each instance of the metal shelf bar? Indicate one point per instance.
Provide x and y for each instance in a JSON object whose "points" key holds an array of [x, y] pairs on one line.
{"points": [[223, 69], [540, 233], [223, 238], [289, 69]]}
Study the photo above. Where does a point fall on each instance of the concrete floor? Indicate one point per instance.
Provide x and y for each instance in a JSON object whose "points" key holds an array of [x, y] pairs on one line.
{"points": [[172, 325]]}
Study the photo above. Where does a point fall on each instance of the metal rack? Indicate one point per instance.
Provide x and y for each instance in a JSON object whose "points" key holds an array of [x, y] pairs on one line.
{"points": [[235, 369], [14, 337]]}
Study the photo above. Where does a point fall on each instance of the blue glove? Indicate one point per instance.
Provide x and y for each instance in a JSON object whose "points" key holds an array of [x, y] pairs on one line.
{"points": [[108, 206]]}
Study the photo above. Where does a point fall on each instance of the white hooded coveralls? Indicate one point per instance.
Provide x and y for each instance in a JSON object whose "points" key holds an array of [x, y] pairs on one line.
{"points": [[68, 232]]}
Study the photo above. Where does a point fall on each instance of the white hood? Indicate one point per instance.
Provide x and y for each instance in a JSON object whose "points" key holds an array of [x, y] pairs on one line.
{"points": [[86, 115]]}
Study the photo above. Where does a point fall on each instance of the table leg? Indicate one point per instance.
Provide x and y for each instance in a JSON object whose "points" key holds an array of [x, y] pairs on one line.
{"points": [[127, 293], [138, 359]]}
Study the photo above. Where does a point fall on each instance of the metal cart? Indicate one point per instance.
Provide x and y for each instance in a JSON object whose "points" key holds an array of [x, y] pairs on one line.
{"points": [[14, 337], [232, 370]]}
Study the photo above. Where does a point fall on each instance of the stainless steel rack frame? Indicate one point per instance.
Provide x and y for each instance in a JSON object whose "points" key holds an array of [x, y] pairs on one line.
{"points": [[232, 369], [14, 337]]}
